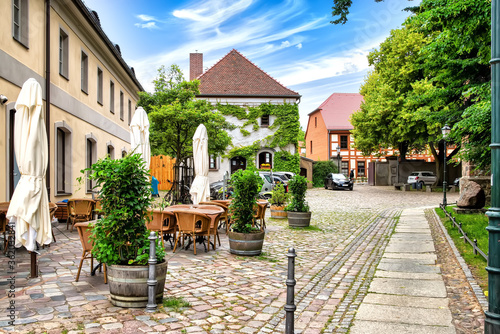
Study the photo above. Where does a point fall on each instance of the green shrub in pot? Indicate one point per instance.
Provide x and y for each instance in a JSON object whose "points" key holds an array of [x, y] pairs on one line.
{"points": [[297, 186], [120, 237], [246, 186]]}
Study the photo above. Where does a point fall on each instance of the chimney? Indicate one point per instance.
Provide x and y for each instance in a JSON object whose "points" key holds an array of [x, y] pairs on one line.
{"points": [[195, 65]]}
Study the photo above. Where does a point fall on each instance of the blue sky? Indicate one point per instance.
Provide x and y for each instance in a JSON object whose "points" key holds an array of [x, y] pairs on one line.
{"points": [[292, 40]]}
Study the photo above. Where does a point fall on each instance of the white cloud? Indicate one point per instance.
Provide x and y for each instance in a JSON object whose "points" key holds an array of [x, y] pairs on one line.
{"points": [[299, 46], [146, 18], [285, 44], [149, 25]]}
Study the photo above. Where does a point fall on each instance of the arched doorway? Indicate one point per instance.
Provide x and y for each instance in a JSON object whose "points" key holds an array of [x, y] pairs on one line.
{"points": [[238, 163], [265, 160]]}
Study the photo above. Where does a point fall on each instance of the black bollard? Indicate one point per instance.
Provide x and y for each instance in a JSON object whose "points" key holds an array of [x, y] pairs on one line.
{"points": [[290, 291], [151, 306]]}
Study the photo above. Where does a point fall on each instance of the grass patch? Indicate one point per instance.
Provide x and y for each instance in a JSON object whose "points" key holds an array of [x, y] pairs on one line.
{"points": [[475, 227], [313, 228], [175, 303], [265, 257]]}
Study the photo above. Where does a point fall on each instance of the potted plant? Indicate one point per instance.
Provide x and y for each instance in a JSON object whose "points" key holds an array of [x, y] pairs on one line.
{"points": [[298, 210], [120, 238], [278, 202], [244, 239]]}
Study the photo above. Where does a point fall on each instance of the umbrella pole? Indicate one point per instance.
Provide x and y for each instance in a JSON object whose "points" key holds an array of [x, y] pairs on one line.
{"points": [[34, 266]]}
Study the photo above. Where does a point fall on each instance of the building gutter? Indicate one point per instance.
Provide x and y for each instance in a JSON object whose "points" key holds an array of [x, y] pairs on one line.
{"points": [[47, 89]]}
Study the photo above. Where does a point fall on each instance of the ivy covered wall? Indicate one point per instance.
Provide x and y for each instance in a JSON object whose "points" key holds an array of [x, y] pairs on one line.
{"points": [[285, 131]]}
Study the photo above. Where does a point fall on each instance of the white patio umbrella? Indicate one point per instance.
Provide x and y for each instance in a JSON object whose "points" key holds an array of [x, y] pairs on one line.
{"points": [[29, 205], [200, 189], [139, 135]]}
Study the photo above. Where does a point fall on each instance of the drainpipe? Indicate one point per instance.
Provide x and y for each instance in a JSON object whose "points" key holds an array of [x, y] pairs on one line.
{"points": [[47, 90]]}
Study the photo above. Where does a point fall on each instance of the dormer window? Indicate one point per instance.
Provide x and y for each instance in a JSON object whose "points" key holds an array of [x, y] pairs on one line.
{"points": [[264, 120]]}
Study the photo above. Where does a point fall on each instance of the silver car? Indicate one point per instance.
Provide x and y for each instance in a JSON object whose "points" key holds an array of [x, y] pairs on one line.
{"points": [[423, 178]]}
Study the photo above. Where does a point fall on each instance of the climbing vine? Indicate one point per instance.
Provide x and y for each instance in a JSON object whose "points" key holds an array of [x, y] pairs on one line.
{"points": [[286, 125]]}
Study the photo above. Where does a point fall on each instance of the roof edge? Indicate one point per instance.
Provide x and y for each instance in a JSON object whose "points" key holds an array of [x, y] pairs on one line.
{"points": [[84, 10]]}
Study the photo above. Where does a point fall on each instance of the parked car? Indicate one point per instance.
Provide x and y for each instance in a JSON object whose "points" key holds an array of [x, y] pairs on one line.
{"points": [[422, 177], [268, 185], [337, 181]]}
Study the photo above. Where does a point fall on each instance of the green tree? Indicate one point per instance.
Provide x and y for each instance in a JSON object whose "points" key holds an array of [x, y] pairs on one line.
{"points": [[431, 72], [175, 114]]}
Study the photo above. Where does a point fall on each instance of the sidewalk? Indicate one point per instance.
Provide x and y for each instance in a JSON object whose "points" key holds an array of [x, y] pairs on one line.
{"points": [[407, 294]]}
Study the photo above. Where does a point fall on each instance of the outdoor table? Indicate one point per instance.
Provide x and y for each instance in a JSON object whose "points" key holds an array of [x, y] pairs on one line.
{"points": [[213, 213]]}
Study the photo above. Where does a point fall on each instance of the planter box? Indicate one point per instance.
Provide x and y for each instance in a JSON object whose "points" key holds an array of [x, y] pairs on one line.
{"points": [[128, 284], [278, 212], [299, 219], [247, 244]]}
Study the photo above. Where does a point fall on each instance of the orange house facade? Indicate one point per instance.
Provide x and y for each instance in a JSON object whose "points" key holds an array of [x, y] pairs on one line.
{"points": [[329, 131]]}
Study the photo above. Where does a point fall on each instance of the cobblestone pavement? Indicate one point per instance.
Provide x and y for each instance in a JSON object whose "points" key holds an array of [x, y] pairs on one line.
{"points": [[336, 259]]}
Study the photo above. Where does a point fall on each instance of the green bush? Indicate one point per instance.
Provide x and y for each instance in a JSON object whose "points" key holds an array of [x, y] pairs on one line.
{"points": [[278, 195], [320, 170], [246, 186], [121, 237], [298, 187]]}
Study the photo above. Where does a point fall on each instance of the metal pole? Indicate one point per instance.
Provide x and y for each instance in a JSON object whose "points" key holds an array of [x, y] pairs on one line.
{"points": [[151, 306], [338, 163], [444, 176], [492, 321], [290, 287]]}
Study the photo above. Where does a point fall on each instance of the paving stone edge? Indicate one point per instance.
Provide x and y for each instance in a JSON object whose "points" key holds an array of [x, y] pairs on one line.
{"points": [[476, 289]]}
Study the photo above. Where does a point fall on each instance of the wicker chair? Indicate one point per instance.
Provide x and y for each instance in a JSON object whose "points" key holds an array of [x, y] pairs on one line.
{"points": [[79, 210], [164, 223], [84, 231], [192, 225]]}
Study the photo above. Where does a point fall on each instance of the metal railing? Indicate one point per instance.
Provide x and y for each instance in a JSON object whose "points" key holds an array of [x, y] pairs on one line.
{"points": [[473, 243]]}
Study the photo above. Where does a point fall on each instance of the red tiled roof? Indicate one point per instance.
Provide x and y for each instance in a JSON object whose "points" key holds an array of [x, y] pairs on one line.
{"points": [[235, 75], [337, 109]]}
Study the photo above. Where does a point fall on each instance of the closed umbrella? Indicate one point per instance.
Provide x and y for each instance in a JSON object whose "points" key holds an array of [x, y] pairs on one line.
{"points": [[139, 135], [29, 205], [200, 189]]}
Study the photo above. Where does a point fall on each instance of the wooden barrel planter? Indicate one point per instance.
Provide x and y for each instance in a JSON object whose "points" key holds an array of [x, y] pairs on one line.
{"points": [[247, 244], [278, 212], [299, 219], [128, 284]]}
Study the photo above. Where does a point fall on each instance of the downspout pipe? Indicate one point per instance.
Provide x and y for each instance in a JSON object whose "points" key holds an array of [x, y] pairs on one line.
{"points": [[47, 88]]}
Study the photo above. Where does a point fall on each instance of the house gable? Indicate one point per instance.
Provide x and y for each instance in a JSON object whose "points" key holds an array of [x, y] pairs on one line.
{"points": [[234, 75]]}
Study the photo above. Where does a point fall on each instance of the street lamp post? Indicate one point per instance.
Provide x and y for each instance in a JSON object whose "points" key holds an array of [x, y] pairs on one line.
{"points": [[338, 158], [492, 321], [445, 131]]}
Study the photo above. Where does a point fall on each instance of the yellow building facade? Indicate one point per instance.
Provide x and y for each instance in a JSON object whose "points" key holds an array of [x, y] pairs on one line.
{"points": [[89, 92]]}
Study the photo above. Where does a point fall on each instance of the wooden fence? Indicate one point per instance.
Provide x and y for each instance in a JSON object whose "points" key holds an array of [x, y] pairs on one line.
{"points": [[162, 167]]}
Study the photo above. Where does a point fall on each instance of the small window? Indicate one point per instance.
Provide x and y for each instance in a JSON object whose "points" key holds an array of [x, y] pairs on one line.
{"points": [[63, 158], [20, 27], [311, 146], [213, 162], [91, 158], [344, 165], [85, 72], [315, 122], [111, 150], [112, 97], [361, 168], [121, 106], [124, 152], [99, 86], [265, 160], [63, 54], [264, 120], [343, 142], [129, 111]]}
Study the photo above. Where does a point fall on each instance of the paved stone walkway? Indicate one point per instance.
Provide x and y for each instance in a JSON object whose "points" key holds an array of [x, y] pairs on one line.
{"points": [[336, 261]]}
